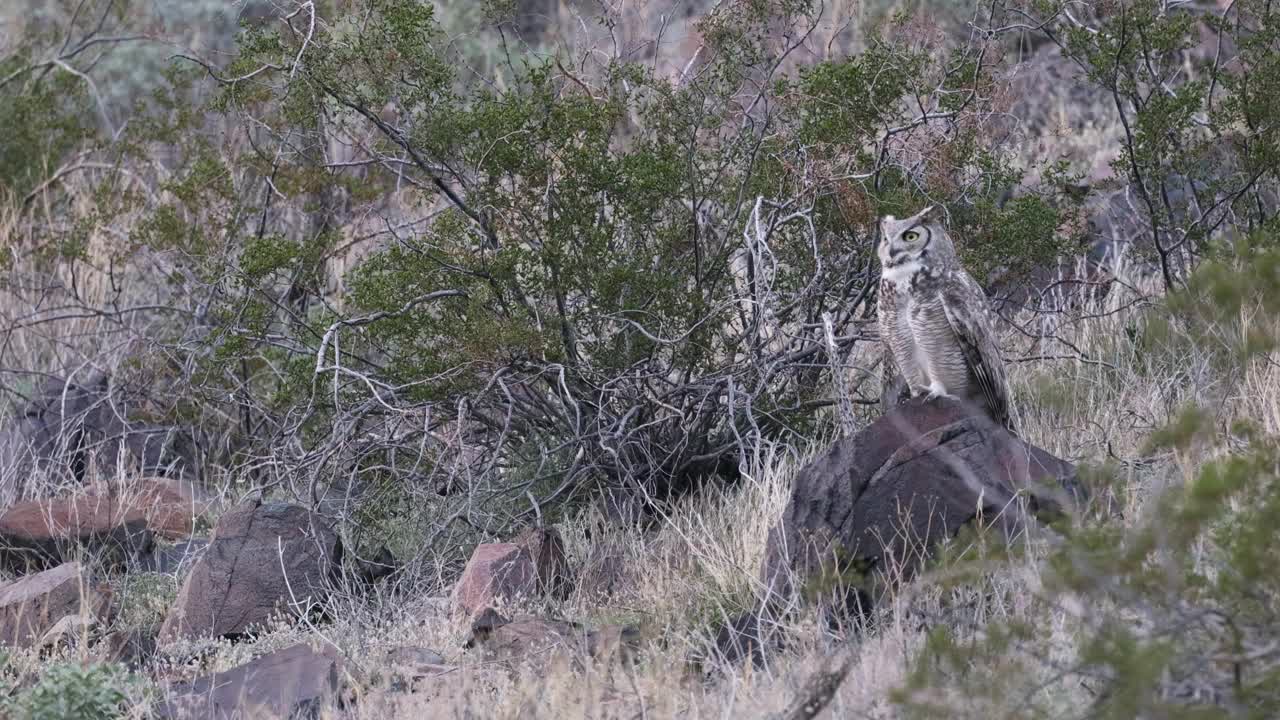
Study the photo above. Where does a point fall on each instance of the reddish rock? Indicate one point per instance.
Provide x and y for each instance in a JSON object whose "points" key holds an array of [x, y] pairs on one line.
{"points": [[31, 606], [532, 565], [39, 534], [496, 571], [294, 682], [170, 506], [42, 533], [262, 560]]}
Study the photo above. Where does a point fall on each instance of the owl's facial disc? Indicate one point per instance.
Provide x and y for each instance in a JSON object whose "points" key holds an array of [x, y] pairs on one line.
{"points": [[904, 245]]}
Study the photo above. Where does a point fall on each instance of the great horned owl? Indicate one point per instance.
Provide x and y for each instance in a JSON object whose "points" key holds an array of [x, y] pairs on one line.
{"points": [[935, 321]]}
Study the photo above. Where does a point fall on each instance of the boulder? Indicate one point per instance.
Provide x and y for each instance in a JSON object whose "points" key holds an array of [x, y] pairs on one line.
{"points": [[290, 683], [262, 559], [31, 606], [496, 571], [865, 513], [876, 500], [532, 565]]}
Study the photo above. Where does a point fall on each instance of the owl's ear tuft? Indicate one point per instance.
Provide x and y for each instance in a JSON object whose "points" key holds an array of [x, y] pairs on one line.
{"points": [[927, 213]]}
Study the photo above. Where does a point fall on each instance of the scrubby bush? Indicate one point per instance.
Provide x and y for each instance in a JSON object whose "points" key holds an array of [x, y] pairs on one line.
{"points": [[601, 277], [72, 691]]}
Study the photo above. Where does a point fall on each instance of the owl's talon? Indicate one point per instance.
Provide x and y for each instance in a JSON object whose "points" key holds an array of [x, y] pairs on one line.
{"points": [[934, 392]]}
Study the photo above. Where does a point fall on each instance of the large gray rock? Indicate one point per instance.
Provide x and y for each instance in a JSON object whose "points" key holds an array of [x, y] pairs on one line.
{"points": [[262, 560], [914, 477], [31, 606], [296, 682], [865, 513]]}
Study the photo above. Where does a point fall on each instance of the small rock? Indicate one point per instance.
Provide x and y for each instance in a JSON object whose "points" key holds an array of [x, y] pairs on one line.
{"points": [[32, 605], [532, 565], [290, 683], [496, 571], [70, 631], [173, 559], [262, 559]]}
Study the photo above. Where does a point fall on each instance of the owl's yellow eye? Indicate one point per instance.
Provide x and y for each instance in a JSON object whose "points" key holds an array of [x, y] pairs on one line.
{"points": [[911, 236]]}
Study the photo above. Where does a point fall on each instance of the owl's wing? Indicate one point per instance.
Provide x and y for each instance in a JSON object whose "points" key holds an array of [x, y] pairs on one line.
{"points": [[969, 315], [894, 386]]}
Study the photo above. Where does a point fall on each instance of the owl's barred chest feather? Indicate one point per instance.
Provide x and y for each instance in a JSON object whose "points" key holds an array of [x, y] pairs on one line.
{"points": [[920, 334]]}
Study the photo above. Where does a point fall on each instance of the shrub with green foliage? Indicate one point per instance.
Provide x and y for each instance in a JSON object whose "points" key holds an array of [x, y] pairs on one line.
{"points": [[72, 691]]}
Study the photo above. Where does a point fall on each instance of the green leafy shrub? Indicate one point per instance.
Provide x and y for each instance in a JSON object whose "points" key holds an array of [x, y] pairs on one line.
{"points": [[71, 691], [623, 279]]}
